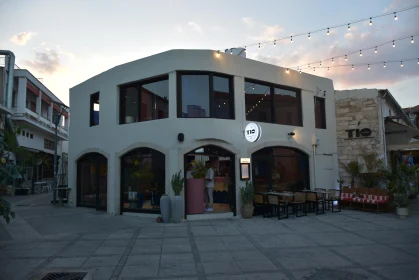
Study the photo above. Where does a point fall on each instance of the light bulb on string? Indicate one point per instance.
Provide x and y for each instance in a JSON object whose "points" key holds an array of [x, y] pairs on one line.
{"points": [[288, 71], [291, 39], [253, 87], [370, 21], [300, 70], [401, 63], [275, 43], [384, 65], [309, 66], [314, 69], [349, 27], [245, 50], [352, 67], [333, 60], [320, 63], [376, 50], [395, 16], [412, 41], [360, 53], [418, 60], [346, 57], [394, 44], [309, 37], [259, 45], [328, 33], [327, 68], [231, 51], [369, 67]]}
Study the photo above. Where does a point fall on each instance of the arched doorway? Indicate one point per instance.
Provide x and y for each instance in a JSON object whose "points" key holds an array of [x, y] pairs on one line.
{"points": [[280, 169], [224, 191], [92, 180], [143, 179]]}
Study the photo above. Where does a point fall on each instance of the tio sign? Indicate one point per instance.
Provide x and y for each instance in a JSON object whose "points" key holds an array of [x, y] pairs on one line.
{"points": [[252, 132]]}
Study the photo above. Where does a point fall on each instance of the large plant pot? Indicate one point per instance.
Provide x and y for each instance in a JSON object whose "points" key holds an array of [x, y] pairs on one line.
{"points": [[195, 199], [176, 207], [247, 211], [402, 212], [165, 208], [21, 191]]}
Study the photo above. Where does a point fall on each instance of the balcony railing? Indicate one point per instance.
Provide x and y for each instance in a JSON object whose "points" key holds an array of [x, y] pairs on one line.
{"points": [[43, 122]]}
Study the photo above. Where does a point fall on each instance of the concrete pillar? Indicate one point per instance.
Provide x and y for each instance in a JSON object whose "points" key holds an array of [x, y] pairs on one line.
{"points": [[21, 95], [72, 179], [39, 104], [50, 112], [114, 187]]}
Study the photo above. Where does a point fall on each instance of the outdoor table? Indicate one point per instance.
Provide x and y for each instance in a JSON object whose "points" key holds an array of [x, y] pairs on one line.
{"points": [[60, 191], [38, 186]]}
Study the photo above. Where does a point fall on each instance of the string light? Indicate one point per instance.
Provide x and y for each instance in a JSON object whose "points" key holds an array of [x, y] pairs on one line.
{"points": [[376, 50], [412, 41], [309, 37], [320, 63], [231, 51], [327, 68], [291, 39], [418, 60], [352, 67], [333, 60], [395, 16], [394, 44], [401, 63], [328, 33], [346, 57], [288, 71], [259, 45], [369, 67], [314, 69], [245, 50], [349, 27], [370, 21], [275, 43], [360, 53], [300, 70], [384, 65]]}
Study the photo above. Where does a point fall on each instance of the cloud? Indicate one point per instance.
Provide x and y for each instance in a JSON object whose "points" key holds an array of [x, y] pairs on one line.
{"points": [[47, 61], [250, 22], [179, 29], [22, 38], [195, 26]]}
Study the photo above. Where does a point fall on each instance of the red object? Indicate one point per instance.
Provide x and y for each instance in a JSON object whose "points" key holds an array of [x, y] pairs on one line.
{"points": [[195, 196], [32, 88], [46, 99]]}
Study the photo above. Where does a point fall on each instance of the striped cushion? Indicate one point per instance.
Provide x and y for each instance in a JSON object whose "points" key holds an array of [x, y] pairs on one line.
{"points": [[378, 199], [347, 196]]}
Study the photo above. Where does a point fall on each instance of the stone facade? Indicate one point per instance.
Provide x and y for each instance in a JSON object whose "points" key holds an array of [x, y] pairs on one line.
{"points": [[357, 113]]}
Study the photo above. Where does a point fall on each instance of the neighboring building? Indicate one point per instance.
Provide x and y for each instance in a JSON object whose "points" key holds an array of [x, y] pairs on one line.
{"points": [[413, 114], [137, 124], [370, 121], [31, 110]]}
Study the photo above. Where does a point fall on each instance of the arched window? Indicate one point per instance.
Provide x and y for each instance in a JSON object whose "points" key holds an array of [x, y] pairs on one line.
{"points": [[142, 180], [280, 169]]}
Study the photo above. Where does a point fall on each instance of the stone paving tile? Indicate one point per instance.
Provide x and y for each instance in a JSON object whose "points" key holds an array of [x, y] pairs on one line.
{"points": [[399, 272], [176, 241], [146, 250], [338, 239], [177, 258], [102, 261], [234, 239], [95, 236], [177, 269], [411, 248], [143, 260], [314, 228], [375, 255], [52, 245], [208, 239], [168, 249], [208, 247], [229, 277], [359, 226], [267, 276], [19, 269], [215, 256], [148, 242], [105, 250], [22, 246], [249, 255], [221, 267], [242, 246], [204, 231], [129, 271], [391, 236], [120, 235], [255, 265], [67, 262], [116, 243], [286, 240], [148, 235], [102, 273], [397, 225]]}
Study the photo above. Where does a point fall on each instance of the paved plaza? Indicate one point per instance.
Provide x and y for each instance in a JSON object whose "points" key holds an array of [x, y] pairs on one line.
{"points": [[347, 245]]}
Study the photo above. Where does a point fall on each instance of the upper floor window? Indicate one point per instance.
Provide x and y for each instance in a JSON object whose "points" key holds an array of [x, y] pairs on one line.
{"points": [[44, 109], [144, 101], [205, 95], [94, 109], [272, 103], [48, 144], [31, 100], [320, 112]]}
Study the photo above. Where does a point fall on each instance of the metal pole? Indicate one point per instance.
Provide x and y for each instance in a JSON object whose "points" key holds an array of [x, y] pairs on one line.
{"points": [[54, 184]]}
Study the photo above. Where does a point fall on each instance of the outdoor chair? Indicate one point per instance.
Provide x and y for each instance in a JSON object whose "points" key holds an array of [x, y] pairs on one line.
{"points": [[334, 195], [259, 203], [278, 206], [314, 201], [299, 204]]}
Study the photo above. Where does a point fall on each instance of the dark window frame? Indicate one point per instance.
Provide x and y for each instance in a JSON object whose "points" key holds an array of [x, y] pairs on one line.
{"points": [[323, 115], [272, 87], [138, 84], [93, 98], [211, 75]]}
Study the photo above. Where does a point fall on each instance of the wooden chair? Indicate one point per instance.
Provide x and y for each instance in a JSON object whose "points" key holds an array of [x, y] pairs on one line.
{"points": [[299, 203], [278, 206], [314, 200], [334, 195]]}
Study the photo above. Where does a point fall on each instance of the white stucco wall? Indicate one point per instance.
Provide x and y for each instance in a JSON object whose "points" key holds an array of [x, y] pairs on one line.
{"points": [[114, 140]]}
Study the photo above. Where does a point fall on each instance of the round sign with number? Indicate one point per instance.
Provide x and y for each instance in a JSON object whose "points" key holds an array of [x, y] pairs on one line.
{"points": [[252, 132]]}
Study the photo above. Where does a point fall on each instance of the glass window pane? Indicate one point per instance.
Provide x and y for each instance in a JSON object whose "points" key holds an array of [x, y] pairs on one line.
{"points": [[258, 102], [160, 92], [143, 180], [129, 105], [287, 107], [146, 105], [195, 96], [319, 111], [222, 97]]}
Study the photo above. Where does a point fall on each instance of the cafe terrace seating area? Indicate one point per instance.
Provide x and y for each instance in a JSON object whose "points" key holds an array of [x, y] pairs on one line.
{"points": [[300, 203]]}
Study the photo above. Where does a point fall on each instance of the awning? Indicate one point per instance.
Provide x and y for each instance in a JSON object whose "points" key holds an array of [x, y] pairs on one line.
{"points": [[399, 136]]}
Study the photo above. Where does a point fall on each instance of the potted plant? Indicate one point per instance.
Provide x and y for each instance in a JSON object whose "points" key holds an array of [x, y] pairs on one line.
{"points": [[196, 187], [247, 194], [353, 169], [401, 202], [176, 204]]}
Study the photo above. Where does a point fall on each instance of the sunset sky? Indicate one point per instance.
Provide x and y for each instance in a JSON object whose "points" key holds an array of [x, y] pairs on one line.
{"points": [[65, 42]]}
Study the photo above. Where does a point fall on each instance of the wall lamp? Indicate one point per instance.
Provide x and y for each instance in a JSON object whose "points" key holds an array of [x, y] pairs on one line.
{"points": [[291, 134]]}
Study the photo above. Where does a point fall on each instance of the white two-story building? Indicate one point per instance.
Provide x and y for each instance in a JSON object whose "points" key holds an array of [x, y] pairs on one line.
{"points": [[137, 124]]}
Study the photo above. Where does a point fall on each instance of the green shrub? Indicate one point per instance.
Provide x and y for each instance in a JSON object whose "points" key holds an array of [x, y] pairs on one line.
{"points": [[177, 182], [247, 193]]}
